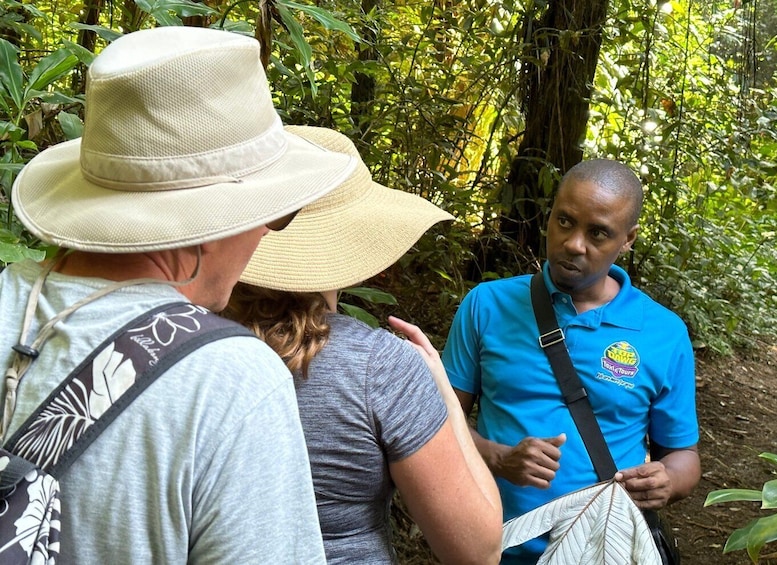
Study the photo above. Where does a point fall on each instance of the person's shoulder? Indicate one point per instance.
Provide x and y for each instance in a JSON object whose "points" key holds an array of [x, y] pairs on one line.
{"points": [[509, 288], [517, 281], [657, 313], [242, 357], [349, 328], [27, 269]]}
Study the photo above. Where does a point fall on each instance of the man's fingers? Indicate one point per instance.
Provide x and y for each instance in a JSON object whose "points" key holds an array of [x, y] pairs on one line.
{"points": [[557, 441]]}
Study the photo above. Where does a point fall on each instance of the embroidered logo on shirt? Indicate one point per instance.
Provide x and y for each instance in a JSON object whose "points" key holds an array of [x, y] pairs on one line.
{"points": [[621, 360]]}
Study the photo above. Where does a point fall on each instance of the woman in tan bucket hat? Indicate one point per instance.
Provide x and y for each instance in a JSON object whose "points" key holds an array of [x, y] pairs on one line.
{"points": [[183, 167], [373, 417]]}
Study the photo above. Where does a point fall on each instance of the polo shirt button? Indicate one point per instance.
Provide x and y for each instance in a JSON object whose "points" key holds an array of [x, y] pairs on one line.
{"points": [[564, 300]]}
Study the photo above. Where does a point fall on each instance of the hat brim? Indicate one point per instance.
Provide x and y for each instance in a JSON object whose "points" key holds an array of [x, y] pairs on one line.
{"points": [[58, 205], [338, 248]]}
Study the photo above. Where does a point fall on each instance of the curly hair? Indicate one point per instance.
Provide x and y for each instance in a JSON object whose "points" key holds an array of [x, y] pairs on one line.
{"points": [[293, 324]]}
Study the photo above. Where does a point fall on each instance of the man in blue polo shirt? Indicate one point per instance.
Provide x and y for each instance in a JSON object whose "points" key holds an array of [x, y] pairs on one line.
{"points": [[633, 357]]}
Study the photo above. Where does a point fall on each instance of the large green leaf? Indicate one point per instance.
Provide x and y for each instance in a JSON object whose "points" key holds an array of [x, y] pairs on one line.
{"points": [[764, 530], [51, 68], [56, 97], [770, 457], [108, 35], [28, 29], [27, 7], [13, 252], [325, 18], [162, 10], [11, 167], [11, 130], [83, 54], [187, 8], [738, 538], [72, 126], [360, 314], [732, 495], [769, 495], [11, 76], [303, 47], [372, 295]]}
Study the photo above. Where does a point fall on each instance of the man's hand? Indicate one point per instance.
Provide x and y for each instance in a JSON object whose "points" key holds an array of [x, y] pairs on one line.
{"points": [[531, 463], [648, 484]]}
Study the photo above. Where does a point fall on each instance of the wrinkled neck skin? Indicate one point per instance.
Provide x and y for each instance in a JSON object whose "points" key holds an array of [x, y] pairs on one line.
{"points": [[169, 265], [174, 265]]}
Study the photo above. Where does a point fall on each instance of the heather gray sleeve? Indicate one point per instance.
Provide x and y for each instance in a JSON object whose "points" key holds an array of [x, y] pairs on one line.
{"points": [[404, 401], [368, 399]]}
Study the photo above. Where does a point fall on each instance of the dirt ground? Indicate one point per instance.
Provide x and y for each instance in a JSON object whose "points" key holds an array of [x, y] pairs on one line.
{"points": [[737, 421]]}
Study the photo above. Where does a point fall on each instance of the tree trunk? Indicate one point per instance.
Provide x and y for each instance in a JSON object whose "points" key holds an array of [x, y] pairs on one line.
{"points": [[564, 43], [88, 40], [363, 89]]}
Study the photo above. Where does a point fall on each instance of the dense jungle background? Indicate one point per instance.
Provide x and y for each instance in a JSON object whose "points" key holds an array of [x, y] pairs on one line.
{"points": [[481, 106]]}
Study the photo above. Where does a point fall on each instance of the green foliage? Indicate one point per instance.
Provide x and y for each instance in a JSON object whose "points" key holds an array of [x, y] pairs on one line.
{"points": [[370, 296], [758, 532], [32, 109], [14, 16], [669, 105], [431, 95]]}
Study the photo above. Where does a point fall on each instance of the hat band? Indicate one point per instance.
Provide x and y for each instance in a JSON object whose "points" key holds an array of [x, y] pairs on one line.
{"points": [[148, 174]]}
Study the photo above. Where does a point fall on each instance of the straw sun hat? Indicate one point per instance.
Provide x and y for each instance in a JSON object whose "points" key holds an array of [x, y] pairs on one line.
{"points": [[181, 145], [353, 233]]}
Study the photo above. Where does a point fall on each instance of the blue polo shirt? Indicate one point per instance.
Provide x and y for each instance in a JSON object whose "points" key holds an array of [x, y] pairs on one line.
{"points": [[633, 356]]}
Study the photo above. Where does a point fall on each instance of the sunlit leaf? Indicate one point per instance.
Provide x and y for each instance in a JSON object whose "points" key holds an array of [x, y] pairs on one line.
{"points": [[83, 54], [770, 457], [732, 495], [50, 68], [11, 76], [324, 17], [13, 252], [298, 39], [105, 33]]}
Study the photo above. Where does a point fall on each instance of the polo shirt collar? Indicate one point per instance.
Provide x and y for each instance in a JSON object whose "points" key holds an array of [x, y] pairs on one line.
{"points": [[622, 311]]}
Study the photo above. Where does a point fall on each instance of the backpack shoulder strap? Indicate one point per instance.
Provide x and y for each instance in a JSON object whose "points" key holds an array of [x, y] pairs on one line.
{"points": [[110, 378]]}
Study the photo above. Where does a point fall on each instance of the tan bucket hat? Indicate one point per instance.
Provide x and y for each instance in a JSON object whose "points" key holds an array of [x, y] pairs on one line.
{"points": [[181, 145], [353, 233]]}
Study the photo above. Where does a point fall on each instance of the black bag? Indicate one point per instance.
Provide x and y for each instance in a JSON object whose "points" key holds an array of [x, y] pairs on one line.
{"points": [[552, 343], [664, 538]]}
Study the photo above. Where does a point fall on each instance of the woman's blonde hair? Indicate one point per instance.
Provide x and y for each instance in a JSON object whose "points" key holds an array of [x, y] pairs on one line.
{"points": [[293, 324]]}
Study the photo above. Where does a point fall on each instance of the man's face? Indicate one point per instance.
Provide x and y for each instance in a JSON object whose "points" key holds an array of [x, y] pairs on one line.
{"points": [[589, 227]]}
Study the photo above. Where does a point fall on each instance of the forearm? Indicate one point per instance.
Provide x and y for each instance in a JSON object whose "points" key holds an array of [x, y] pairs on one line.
{"points": [[684, 470], [490, 452], [465, 437]]}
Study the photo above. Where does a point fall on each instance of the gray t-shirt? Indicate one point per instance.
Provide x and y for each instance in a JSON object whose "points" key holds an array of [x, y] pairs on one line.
{"points": [[369, 400], [208, 465]]}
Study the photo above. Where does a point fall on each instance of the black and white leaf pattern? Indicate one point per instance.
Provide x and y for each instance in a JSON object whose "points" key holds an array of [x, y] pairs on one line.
{"points": [[29, 517], [112, 375], [165, 326], [598, 525]]}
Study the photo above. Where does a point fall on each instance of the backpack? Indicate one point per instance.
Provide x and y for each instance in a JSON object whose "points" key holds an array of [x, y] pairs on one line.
{"points": [[75, 413]]}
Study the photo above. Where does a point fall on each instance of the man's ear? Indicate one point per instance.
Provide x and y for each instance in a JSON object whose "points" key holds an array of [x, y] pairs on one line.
{"points": [[631, 237]]}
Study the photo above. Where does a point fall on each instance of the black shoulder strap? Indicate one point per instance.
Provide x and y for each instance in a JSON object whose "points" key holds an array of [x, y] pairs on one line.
{"points": [[110, 378], [575, 396]]}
